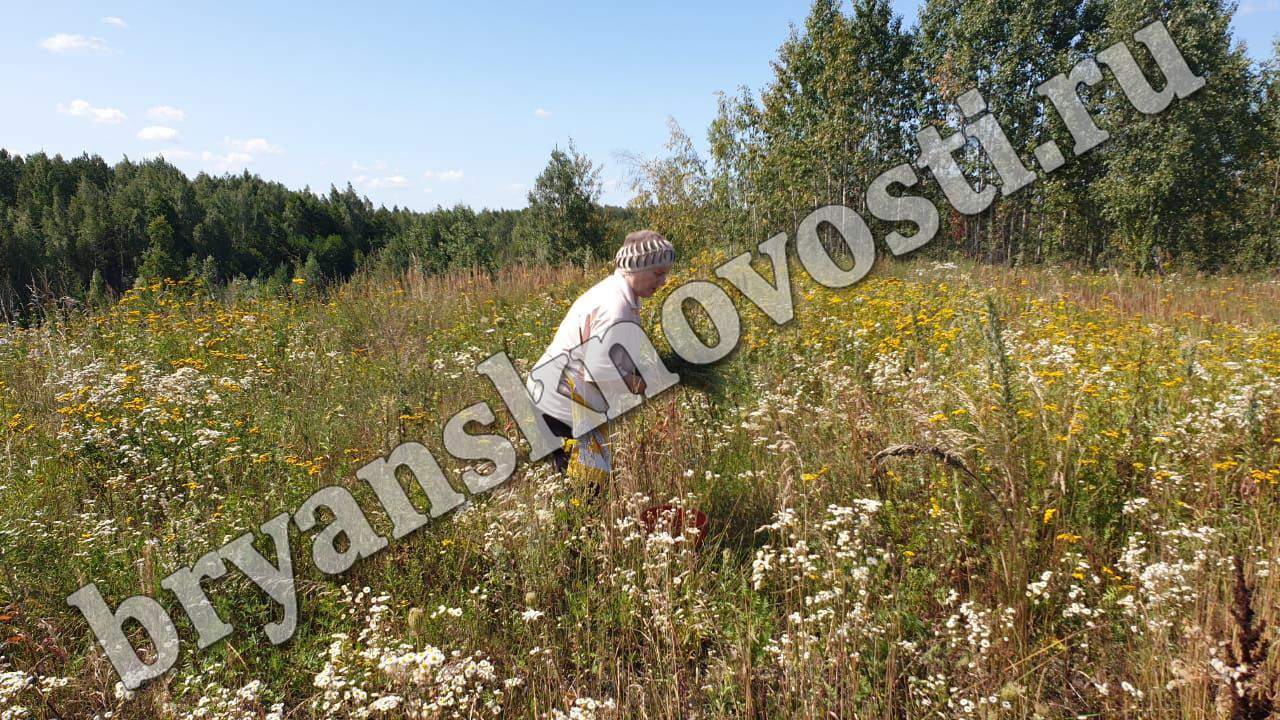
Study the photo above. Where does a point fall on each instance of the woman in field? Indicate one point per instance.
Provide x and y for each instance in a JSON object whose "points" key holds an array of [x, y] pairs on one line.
{"points": [[641, 266]]}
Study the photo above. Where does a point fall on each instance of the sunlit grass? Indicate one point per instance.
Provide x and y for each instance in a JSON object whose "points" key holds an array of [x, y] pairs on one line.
{"points": [[1114, 442]]}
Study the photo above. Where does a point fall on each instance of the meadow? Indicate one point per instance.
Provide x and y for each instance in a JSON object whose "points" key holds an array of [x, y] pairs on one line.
{"points": [[951, 491]]}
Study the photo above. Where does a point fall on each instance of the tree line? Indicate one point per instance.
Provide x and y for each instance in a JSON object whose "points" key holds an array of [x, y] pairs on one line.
{"points": [[84, 230]]}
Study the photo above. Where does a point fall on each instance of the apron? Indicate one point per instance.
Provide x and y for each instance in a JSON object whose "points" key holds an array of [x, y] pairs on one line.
{"points": [[589, 458]]}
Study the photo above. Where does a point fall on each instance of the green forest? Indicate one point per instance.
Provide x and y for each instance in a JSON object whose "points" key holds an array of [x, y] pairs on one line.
{"points": [[85, 230], [1195, 187]]}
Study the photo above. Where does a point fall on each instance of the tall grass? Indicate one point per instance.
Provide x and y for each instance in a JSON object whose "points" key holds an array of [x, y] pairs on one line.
{"points": [[944, 492]]}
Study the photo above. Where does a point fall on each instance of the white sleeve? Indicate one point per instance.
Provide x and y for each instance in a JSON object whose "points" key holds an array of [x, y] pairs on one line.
{"points": [[603, 366]]}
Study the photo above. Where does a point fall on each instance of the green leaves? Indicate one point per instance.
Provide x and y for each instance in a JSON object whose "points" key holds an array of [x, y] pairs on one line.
{"points": [[564, 220]]}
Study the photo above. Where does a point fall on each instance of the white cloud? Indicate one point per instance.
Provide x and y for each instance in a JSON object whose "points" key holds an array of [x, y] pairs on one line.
{"points": [[443, 175], [157, 132], [252, 146], [103, 115], [118, 22], [379, 183], [224, 163], [63, 42], [166, 112], [541, 112], [169, 155], [362, 168], [240, 155]]}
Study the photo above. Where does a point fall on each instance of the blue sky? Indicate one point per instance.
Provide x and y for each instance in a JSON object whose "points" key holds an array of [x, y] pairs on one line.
{"points": [[417, 104]]}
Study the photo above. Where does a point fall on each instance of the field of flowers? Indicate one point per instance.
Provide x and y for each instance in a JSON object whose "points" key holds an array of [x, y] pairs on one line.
{"points": [[954, 492]]}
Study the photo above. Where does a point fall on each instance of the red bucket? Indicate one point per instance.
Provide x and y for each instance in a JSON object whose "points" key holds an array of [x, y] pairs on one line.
{"points": [[674, 520]]}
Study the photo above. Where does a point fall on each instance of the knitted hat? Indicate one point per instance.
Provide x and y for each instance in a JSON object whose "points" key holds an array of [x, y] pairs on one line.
{"points": [[644, 250]]}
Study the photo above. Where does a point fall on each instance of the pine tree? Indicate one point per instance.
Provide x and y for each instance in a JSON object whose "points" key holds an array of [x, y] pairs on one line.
{"points": [[563, 220], [158, 262], [97, 294]]}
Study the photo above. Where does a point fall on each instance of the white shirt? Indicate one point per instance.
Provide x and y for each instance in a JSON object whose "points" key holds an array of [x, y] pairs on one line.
{"points": [[607, 303]]}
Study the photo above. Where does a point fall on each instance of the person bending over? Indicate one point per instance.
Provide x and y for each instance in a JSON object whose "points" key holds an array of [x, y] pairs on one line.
{"points": [[641, 266]]}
